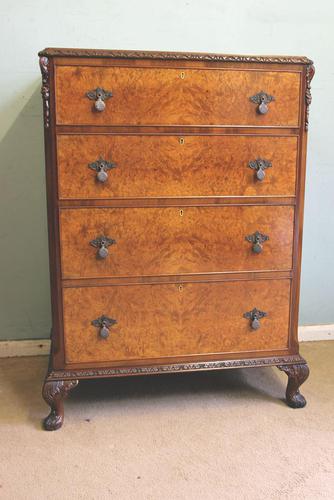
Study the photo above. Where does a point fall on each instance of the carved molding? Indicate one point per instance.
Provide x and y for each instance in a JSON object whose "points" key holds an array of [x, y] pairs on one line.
{"points": [[174, 368], [178, 56], [310, 70], [297, 374], [58, 388], [54, 392], [45, 90]]}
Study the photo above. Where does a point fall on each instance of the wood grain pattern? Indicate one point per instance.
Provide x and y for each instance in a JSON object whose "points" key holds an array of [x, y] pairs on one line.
{"points": [[163, 320], [158, 166], [145, 96], [161, 327], [153, 241]]}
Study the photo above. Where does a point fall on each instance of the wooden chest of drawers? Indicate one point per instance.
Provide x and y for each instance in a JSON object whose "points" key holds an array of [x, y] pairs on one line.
{"points": [[175, 204]]}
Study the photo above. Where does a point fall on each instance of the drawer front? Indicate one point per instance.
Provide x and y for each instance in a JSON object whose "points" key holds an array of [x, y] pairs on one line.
{"points": [[148, 166], [155, 321], [162, 96], [158, 241]]}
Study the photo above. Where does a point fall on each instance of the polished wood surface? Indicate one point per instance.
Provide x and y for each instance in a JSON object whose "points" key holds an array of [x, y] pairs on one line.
{"points": [[163, 165], [153, 241], [154, 96], [181, 274], [169, 320]]}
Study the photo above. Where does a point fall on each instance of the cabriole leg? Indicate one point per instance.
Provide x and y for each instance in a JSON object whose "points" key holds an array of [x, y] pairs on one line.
{"points": [[54, 393], [297, 374]]}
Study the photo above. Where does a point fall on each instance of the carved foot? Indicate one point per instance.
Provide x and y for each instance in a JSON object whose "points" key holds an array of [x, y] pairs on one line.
{"points": [[297, 374], [54, 393]]}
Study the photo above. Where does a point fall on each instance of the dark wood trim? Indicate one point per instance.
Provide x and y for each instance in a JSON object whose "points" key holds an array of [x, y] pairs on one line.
{"points": [[174, 64], [298, 223], [174, 367], [170, 56], [57, 357], [177, 130], [205, 201], [186, 65], [230, 126], [171, 279]]}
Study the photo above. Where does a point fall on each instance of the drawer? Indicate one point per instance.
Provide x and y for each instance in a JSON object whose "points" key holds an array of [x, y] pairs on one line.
{"points": [[165, 96], [166, 320], [167, 166], [162, 241]]}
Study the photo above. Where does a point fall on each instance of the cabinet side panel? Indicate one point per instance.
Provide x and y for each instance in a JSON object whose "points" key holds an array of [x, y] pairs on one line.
{"points": [[305, 100], [48, 95]]}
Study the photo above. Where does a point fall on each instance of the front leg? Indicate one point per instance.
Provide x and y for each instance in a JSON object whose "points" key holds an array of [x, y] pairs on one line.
{"points": [[297, 374], [54, 393]]}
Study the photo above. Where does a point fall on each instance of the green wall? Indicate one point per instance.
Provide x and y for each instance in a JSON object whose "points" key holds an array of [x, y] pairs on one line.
{"points": [[263, 27]]}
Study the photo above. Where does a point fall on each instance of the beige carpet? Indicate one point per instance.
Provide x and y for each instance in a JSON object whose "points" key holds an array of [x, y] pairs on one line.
{"points": [[217, 435]]}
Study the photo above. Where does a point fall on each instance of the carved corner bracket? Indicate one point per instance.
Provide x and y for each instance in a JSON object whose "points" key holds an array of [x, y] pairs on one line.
{"points": [[310, 70], [45, 89]]}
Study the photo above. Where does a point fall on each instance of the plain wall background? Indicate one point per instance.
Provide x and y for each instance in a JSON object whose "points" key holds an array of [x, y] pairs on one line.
{"points": [[230, 26]]}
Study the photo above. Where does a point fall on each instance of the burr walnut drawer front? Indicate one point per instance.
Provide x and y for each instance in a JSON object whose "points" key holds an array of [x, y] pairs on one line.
{"points": [[162, 320], [102, 242], [116, 166], [170, 96]]}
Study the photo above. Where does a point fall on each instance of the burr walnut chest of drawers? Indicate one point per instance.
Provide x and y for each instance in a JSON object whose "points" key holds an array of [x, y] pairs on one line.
{"points": [[175, 189]]}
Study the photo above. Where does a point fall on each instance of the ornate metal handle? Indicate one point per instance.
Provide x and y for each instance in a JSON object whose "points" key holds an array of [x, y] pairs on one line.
{"points": [[257, 239], [102, 243], [99, 95], [104, 323], [101, 168], [262, 99], [255, 315], [259, 165]]}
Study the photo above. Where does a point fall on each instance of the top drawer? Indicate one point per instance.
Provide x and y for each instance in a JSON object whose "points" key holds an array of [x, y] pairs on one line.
{"points": [[163, 96]]}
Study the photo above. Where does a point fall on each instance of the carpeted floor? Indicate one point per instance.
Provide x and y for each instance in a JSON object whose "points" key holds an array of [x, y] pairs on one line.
{"points": [[216, 435]]}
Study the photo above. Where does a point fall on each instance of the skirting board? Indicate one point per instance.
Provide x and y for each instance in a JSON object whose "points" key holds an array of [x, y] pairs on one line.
{"points": [[17, 348], [38, 347]]}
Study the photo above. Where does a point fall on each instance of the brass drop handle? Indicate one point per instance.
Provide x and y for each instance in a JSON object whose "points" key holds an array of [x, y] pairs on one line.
{"points": [[101, 168], [102, 243], [99, 95], [257, 239], [262, 99], [259, 165], [104, 323], [255, 315]]}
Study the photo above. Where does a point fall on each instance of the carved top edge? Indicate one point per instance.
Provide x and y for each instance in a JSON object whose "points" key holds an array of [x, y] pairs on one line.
{"points": [[178, 56]]}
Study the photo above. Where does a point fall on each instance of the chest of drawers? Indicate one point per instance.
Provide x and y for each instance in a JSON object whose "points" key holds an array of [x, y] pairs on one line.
{"points": [[175, 186]]}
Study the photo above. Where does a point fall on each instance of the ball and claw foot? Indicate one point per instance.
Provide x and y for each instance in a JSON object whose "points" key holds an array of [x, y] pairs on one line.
{"points": [[297, 374], [54, 393], [53, 421]]}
